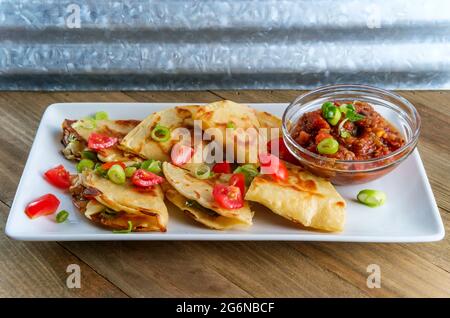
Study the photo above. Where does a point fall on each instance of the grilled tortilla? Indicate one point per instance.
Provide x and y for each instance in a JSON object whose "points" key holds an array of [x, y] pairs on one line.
{"points": [[75, 137], [218, 116], [140, 142], [200, 191], [205, 216], [302, 198], [112, 205]]}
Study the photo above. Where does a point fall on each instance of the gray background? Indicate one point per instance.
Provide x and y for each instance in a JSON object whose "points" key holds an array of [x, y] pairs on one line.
{"points": [[172, 44]]}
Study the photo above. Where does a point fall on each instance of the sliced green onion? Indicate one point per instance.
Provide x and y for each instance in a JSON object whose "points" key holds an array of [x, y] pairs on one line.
{"points": [[331, 113], [101, 116], [160, 133], [116, 174], [346, 107], [99, 170], [372, 198], [202, 171], [344, 133], [86, 123], [109, 214], [89, 155], [152, 166], [231, 125], [62, 216], [129, 171], [130, 228], [325, 108], [328, 146], [250, 171], [85, 164]]}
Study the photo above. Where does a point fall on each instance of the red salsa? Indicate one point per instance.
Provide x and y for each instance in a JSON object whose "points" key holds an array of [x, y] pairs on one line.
{"points": [[347, 131]]}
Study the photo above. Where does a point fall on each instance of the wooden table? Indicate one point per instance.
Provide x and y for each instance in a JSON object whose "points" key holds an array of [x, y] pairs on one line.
{"points": [[217, 269]]}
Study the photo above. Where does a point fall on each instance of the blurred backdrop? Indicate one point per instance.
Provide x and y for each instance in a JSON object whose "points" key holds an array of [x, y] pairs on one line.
{"points": [[226, 44]]}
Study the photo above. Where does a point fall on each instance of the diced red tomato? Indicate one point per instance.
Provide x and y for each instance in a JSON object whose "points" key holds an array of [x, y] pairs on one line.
{"points": [[303, 138], [98, 141], [144, 189], [58, 176], [108, 165], [319, 122], [282, 150], [323, 133], [228, 197], [144, 178], [238, 180], [272, 165], [181, 154], [45, 205], [222, 167]]}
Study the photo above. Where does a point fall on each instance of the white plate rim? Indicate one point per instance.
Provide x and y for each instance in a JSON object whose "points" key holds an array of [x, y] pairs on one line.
{"points": [[13, 233]]}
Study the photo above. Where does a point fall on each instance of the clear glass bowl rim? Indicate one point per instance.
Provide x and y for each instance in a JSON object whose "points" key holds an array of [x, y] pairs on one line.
{"points": [[353, 88]]}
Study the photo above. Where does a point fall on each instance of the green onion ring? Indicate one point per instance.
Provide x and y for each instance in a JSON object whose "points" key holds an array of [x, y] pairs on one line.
{"points": [[372, 198], [160, 133], [328, 146], [116, 174], [202, 171], [85, 164], [129, 171], [62, 216], [130, 228], [152, 166], [101, 116], [231, 125]]}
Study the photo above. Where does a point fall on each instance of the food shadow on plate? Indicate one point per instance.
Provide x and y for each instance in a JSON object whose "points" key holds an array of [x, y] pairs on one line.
{"points": [[266, 216]]}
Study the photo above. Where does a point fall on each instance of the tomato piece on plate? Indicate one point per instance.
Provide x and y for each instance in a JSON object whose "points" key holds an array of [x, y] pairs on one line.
{"points": [[238, 180], [228, 197], [222, 167], [272, 165], [108, 165], [283, 151], [181, 154], [58, 176], [45, 205], [98, 141], [144, 178]]}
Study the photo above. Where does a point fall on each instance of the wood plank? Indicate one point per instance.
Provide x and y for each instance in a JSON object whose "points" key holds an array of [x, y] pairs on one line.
{"points": [[38, 269], [239, 269], [211, 269], [156, 269]]}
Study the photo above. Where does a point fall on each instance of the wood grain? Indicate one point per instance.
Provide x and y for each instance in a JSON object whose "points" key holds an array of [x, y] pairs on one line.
{"points": [[39, 270], [219, 269]]}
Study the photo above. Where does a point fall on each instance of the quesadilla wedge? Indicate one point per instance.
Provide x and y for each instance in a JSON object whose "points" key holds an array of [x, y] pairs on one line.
{"points": [[241, 141], [303, 198], [202, 215], [205, 210], [76, 134], [140, 141], [267, 120], [113, 206]]}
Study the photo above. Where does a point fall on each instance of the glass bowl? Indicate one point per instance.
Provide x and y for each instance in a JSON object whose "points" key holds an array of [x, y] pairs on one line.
{"points": [[394, 108]]}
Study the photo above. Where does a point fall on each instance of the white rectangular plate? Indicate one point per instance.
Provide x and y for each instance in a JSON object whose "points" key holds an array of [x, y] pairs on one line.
{"points": [[410, 214]]}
